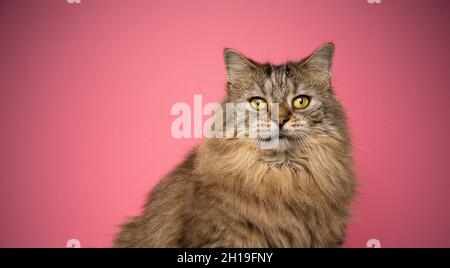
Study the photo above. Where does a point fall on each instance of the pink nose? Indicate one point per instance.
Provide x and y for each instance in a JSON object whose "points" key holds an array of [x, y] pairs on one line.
{"points": [[282, 120]]}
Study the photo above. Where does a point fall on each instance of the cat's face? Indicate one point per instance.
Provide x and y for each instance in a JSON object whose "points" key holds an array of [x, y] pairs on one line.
{"points": [[301, 91]]}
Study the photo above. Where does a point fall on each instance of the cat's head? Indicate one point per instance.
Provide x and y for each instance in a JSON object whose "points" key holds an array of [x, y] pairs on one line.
{"points": [[307, 106]]}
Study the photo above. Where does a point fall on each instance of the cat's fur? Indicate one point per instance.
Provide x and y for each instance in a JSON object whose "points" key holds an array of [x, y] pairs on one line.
{"points": [[231, 193]]}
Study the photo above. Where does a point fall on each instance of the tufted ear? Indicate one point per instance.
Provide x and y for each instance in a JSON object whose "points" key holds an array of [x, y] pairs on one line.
{"points": [[239, 68], [318, 65]]}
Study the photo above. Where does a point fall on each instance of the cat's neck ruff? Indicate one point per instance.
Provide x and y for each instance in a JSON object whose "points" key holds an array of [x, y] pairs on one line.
{"points": [[240, 165]]}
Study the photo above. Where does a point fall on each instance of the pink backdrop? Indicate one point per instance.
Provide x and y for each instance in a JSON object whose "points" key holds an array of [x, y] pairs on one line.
{"points": [[86, 91]]}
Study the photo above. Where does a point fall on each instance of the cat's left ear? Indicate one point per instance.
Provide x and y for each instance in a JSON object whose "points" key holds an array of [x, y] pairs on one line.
{"points": [[318, 65]]}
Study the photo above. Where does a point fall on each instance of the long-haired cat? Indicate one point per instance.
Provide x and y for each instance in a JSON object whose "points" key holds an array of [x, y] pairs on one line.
{"points": [[230, 192]]}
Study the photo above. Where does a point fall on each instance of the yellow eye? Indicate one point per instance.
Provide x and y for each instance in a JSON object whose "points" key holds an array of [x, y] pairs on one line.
{"points": [[258, 103], [301, 102]]}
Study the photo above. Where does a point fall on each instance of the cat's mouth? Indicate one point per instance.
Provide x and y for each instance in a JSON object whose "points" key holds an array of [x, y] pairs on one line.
{"points": [[280, 137]]}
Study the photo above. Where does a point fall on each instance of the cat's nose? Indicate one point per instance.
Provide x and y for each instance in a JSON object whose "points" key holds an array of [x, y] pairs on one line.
{"points": [[284, 114], [283, 119]]}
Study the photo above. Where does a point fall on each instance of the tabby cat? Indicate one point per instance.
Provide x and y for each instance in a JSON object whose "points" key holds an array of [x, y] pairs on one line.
{"points": [[230, 192]]}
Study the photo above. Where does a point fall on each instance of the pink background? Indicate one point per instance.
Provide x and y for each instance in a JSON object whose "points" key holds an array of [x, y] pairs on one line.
{"points": [[86, 91]]}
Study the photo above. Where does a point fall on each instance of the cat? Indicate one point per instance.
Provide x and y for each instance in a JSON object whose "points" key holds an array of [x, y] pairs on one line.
{"points": [[229, 192]]}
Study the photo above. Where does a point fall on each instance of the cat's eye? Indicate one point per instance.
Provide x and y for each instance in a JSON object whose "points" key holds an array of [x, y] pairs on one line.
{"points": [[301, 102], [258, 103]]}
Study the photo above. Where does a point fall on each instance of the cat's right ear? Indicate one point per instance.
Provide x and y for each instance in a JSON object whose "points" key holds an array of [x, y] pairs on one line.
{"points": [[239, 68]]}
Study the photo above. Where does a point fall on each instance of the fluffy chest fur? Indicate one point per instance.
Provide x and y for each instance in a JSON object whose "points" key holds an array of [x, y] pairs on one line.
{"points": [[270, 200]]}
